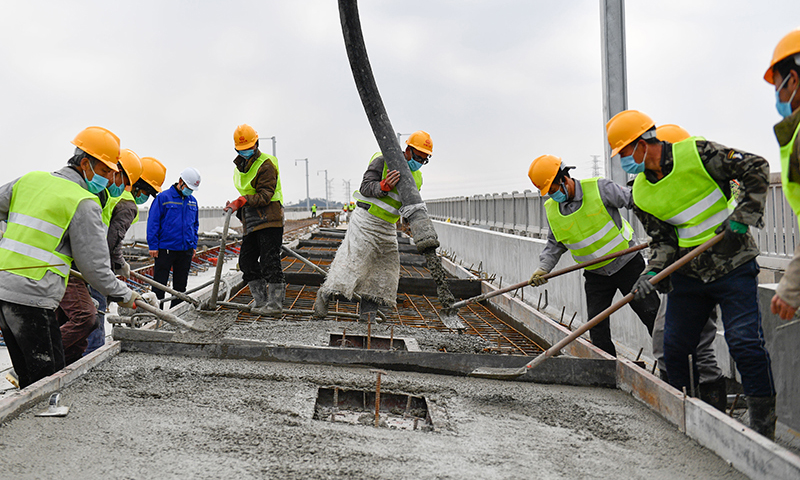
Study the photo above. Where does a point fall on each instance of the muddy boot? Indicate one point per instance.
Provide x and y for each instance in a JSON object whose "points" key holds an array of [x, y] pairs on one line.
{"points": [[321, 305], [762, 415], [258, 289], [367, 311], [275, 296], [715, 394]]}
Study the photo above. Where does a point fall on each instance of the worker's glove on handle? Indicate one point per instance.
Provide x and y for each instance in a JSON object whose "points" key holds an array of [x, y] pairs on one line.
{"points": [[124, 271], [151, 298], [730, 227], [642, 288], [385, 185], [236, 204], [130, 303], [537, 279]]}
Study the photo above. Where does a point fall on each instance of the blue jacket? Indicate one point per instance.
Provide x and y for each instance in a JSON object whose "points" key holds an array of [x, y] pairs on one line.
{"points": [[172, 221]]}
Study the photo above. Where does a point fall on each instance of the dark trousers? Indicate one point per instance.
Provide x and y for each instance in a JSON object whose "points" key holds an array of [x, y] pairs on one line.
{"points": [[260, 255], [98, 336], [600, 291], [688, 307], [179, 261], [77, 316], [33, 341]]}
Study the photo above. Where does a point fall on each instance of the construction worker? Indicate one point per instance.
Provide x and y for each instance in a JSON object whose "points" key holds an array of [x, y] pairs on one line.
{"points": [[367, 262], [712, 388], [149, 184], [784, 74], [584, 218], [54, 223], [172, 226], [314, 210], [257, 177], [681, 193]]}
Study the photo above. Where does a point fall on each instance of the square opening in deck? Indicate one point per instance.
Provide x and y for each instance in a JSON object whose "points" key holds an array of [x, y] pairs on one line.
{"points": [[357, 407], [360, 341]]}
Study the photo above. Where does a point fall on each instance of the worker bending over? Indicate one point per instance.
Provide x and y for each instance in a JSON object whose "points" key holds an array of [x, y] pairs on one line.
{"points": [[257, 177], [584, 218], [54, 222], [367, 262], [681, 195]]}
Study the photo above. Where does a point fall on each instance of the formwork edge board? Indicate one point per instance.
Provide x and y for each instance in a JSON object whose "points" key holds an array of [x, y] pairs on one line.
{"points": [[652, 391], [743, 448]]}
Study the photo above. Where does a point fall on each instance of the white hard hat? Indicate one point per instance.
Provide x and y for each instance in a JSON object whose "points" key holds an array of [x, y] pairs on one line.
{"points": [[191, 177]]}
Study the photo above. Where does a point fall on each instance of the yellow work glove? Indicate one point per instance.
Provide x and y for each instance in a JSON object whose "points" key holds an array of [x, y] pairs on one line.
{"points": [[537, 279], [130, 303]]}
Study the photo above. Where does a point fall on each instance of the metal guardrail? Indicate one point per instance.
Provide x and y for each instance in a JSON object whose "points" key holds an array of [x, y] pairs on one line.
{"points": [[522, 213]]}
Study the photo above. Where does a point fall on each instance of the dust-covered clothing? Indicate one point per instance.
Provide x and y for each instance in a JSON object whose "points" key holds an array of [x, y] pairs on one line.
{"points": [[260, 255], [367, 262], [260, 211], [785, 131], [77, 317], [33, 341]]}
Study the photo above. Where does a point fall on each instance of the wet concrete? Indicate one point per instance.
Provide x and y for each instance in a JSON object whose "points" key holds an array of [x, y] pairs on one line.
{"points": [[146, 416]]}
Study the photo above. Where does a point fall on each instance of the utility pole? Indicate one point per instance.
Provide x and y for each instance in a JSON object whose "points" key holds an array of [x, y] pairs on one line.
{"points": [[308, 196], [596, 172], [273, 145], [326, 186]]}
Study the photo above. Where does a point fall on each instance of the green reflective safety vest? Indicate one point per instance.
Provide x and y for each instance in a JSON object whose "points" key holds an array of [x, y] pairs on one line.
{"points": [[688, 198], [112, 202], [589, 232], [243, 180], [41, 209], [388, 207], [790, 189]]}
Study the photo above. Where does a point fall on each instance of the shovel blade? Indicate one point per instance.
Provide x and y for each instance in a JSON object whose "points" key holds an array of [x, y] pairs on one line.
{"points": [[498, 373], [54, 412]]}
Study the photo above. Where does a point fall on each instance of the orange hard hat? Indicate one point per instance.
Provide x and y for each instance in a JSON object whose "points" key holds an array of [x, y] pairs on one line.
{"points": [[543, 171], [421, 141], [244, 137], [788, 46], [153, 172], [625, 127], [131, 165], [100, 144], [671, 133]]}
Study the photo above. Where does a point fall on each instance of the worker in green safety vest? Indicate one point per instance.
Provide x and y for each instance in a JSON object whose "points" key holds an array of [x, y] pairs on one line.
{"points": [[680, 195], [54, 223], [584, 219], [367, 262], [313, 210], [784, 74], [257, 177]]}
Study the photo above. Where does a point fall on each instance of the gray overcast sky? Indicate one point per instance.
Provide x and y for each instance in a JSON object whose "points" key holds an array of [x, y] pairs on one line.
{"points": [[496, 83]]}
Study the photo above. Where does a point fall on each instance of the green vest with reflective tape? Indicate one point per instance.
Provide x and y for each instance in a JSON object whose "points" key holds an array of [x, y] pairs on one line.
{"points": [[790, 189], [41, 209], [112, 202], [243, 180], [589, 232], [687, 198], [388, 207]]}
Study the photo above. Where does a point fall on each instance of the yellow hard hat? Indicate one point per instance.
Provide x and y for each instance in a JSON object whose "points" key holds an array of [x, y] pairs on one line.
{"points": [[421, 141], [789, 45], [671, 133], [131, 165], [244, 137], [99, 143], [625, 127], [543, 171], [153, 172]]}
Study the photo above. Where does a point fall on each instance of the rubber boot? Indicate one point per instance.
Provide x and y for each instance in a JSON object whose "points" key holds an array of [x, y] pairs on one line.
{"points": [[368, 310], [715, 394], [762, 415], [275, 296], [258, 289], [321, 305]]}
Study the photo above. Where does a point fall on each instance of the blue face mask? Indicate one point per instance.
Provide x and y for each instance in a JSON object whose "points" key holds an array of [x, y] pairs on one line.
{"points": [[97, 184], [559, 196], [630, 165], [414, 165], [141, 198], [784, 108], [116, 190], [186, 191], [246, 153]]}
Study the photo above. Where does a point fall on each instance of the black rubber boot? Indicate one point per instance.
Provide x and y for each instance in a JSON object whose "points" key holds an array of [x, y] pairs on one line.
{"points": [[367, 311], [275, 295], [715, 394], [762, 415], [258, 289]]}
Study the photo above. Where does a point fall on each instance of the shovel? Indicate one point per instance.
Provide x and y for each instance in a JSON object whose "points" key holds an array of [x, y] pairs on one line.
{"points": [[510, 373], [53, 410], [212, 302], [171, 291], [550, 275]]}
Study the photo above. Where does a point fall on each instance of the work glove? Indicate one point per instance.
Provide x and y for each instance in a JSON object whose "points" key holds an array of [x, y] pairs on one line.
{"points": [[642, 288], [385, 186], [150, 297], [731, 227], [733, 232], [537, 279], [124, 271], [130, 303], [236, 204]]}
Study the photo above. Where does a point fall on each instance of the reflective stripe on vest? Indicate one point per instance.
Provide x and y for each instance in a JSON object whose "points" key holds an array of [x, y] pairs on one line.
{"points": [[388, 207], [41, 209], [589, 232], [243, 180], [791, 190], [674, 198], [108, 210]]}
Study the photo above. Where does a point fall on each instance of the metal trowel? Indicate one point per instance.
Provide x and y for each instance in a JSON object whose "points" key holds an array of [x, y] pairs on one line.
{"points": [[53, 410]]}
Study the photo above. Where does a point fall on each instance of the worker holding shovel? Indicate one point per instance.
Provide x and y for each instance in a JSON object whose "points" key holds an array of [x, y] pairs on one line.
{"points": [[584, 218], [681, 194]]}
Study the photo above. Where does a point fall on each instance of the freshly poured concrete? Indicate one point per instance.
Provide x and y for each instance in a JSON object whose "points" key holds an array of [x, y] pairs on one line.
{"points": [[145, 416]]}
